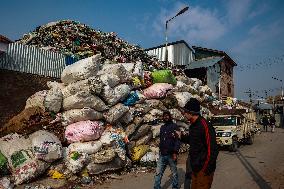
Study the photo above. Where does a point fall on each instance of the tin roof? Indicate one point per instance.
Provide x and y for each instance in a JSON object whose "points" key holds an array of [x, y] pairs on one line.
{"points": [[4, 39], [172, 43], [204, 63]]}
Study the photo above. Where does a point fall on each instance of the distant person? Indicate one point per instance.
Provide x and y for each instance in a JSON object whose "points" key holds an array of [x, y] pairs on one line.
{"points": [[265, 123], [169, 147], [272, 123], [203, 150]]}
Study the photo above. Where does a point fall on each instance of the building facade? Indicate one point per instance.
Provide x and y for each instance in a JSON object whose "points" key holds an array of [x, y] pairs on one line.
{"points": [[179, 53]]}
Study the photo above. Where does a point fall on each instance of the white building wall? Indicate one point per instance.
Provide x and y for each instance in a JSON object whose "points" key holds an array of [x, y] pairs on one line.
{"points": [[178, 54]]}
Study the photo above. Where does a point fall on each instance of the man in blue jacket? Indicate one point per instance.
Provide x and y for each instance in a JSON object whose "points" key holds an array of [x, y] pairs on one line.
{"points": [[169, 147], [203, 150]]}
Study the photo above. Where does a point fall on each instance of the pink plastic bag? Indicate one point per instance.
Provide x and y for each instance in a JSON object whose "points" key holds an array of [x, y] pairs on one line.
{"points": [[157, 90], [83, 131]]}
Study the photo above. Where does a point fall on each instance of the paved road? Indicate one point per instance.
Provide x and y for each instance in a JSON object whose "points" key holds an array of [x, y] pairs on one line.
{"points": [[260, 165]]}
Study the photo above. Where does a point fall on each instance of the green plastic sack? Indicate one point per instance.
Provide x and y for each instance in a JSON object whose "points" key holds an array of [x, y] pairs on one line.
{"points": [[164, 76], [3, 165]]}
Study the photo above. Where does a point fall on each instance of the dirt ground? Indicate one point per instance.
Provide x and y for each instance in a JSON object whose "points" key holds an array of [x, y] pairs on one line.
{"points": [[260, 165], [15, 89]]}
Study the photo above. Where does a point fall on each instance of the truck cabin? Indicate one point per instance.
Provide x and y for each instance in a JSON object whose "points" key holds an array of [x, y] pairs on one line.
{"points": [[226, 120]]}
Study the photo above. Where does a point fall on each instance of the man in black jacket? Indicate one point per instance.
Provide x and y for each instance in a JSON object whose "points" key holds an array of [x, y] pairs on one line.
{"points": [[203, 148], [169, 147]]}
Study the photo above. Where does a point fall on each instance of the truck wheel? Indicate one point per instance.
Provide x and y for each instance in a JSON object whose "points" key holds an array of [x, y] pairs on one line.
{"points": [[250, 140], [234, 146]]}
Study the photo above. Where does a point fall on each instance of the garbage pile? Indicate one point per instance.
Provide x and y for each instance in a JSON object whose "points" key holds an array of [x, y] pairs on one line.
{"points": [[81, 41], [102, 117]]}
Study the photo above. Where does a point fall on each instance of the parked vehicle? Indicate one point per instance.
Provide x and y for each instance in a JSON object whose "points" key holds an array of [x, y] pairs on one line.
{"points": [[233, 129]]}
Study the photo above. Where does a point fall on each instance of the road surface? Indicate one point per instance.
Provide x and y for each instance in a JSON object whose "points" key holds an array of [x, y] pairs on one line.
{"points": [[260, 165]]}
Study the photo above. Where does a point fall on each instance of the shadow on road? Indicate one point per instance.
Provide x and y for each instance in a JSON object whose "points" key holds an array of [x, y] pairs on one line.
{"points": [[262, 184], [181, 175]]}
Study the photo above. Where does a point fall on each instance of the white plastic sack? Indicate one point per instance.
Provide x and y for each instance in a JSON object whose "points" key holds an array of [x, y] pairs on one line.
{"points": [[150, 157], [83, 99], [177, 115], [21, 160], [129, 67], [145, 139], [110, 80], [46, 146], [54, 84], [126, 118], [5, 183], [76, 115], [85, 147], [113, 96], [181, 87], [36, 99], [182, 98], [103, 156], [157, 90], [196, 83], [75, 87], [116, 69], [138, 69], [142, 131], [75, 161], [53, 100], [115, 113], [82, 69], [205, 89], [184, 79], [156, 130], [83, 131]]}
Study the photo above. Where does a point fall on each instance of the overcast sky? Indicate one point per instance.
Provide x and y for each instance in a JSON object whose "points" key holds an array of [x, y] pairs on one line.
{"points": [[250, 31]]}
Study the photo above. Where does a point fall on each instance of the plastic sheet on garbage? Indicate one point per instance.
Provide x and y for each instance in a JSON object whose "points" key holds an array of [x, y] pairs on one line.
{"points": [[46, 146], [83, 131], [76, 115]]}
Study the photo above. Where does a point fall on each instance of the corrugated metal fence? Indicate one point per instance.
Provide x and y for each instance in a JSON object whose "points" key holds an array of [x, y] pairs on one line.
{"points": [[30, 59]]}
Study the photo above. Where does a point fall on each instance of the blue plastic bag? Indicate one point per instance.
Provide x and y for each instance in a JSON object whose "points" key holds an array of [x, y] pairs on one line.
{"points": [[131, 99]]}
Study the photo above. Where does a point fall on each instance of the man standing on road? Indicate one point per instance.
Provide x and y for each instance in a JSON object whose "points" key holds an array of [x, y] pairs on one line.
{"points": [[203, 150], [169, 146], [265, 122], [272, 123]]}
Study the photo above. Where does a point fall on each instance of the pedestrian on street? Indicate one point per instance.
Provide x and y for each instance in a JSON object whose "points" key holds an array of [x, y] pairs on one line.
{"points": [[265, 122], [169, 147], [203, 150], [272, 123]]}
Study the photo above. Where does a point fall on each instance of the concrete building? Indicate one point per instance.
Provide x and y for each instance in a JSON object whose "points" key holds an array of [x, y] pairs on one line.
{"points": [[215, 68]]}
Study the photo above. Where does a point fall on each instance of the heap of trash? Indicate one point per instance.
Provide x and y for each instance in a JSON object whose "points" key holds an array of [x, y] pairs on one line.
{"points": [[104, 116], [80, 41]]}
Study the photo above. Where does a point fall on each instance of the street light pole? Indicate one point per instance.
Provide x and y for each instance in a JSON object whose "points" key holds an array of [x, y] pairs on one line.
{"points": [[166, 32]]}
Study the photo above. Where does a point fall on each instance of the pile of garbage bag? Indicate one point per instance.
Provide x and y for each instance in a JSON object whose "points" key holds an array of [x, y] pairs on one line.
{"points": [[80, 41], [108, 118]]}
